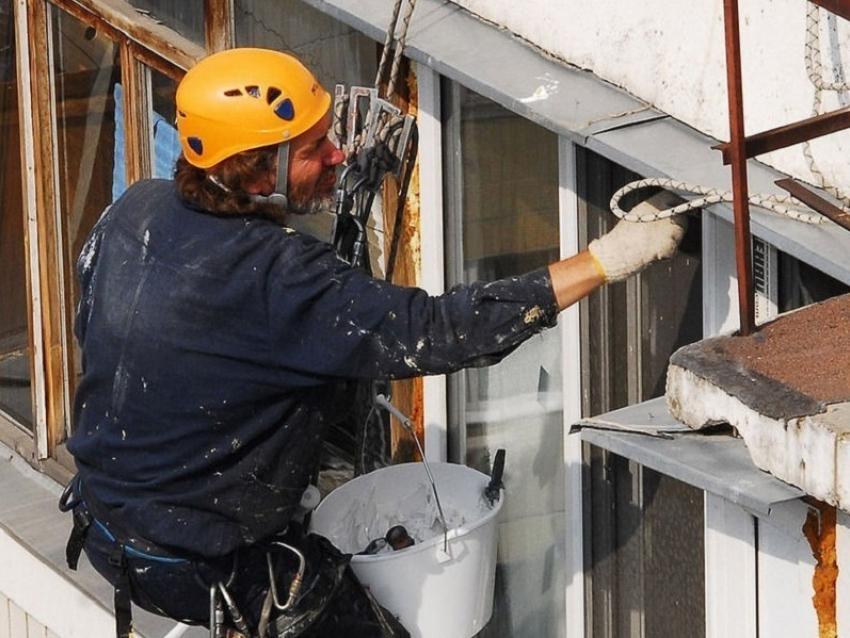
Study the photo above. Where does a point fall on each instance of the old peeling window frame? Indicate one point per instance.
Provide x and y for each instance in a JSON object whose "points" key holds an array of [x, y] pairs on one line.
{"points": [[144, 44]]}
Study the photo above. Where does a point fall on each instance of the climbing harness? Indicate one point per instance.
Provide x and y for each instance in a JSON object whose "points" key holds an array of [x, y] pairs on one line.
{"points": [[224, 612]]}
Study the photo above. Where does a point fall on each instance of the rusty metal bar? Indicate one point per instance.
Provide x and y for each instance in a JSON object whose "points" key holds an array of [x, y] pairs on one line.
{"points": [[790, 134], [815, 202], [738, 160], [840, 8]]}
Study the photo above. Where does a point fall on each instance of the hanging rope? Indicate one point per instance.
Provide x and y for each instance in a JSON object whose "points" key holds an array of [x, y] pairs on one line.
{"points": [[781, 204], [815, 71], [397, 49]]}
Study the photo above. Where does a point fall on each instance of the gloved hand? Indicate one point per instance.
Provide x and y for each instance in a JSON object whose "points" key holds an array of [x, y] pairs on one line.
{"points": [[631, 246]]}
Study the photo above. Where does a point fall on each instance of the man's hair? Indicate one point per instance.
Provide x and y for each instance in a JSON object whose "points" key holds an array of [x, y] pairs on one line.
{"points": [[221, 188]]}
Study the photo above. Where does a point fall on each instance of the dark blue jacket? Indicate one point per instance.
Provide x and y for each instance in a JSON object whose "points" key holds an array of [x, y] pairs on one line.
{"points": [[212, 348]]}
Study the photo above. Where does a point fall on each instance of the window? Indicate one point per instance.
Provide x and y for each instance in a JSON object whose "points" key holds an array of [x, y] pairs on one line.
{"points": [[801, 285], [643, 531], [502, 189], [87, 86], [335, 52], [646, 572], [96, 106], [185, 17], [15, 352]]}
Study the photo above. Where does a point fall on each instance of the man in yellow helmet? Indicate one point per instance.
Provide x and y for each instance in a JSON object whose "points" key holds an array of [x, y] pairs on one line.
{"points": [[215, 338]]}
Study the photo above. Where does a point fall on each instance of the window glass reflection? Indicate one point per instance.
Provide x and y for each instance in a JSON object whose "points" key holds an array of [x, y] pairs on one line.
{"points": [[502, 193], [166, 143], [333, 51], [15, 351], [87, 76]]}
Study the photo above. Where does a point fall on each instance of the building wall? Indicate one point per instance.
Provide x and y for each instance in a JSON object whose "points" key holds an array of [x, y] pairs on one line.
{"points": [[672, 55], [643, 48]]}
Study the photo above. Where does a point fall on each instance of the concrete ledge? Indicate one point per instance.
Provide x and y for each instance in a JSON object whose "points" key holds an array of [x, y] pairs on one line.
{"points": [[804, 451]]}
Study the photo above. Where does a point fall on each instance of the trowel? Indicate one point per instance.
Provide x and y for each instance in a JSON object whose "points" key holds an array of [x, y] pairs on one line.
{"points": [[493, 491]]}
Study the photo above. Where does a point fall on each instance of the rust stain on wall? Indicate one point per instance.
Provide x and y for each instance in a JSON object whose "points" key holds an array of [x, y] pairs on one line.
{"points": [[819, 530], [407, 394]]}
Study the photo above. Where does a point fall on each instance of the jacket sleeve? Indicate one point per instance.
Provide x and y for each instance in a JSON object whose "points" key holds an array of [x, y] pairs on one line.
{"points": [[330, 320]]}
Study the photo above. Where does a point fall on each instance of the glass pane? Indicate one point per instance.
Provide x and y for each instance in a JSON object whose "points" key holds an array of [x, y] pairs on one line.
{"points": [[90, 129], [647, 539], [334, 52], [186, 17], [629, 331], [506, 181], [801, 285], [166, 143], [15, 352]]}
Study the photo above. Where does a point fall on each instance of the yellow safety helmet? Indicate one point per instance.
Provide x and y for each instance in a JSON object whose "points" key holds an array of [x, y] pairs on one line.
{"points": [[244, 98]]}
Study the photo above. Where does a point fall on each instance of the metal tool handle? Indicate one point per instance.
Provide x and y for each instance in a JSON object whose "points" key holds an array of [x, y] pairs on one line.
{"points": [[383, 402], [493, 491]]}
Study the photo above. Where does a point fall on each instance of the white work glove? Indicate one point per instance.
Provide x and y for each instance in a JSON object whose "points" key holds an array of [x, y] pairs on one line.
{"points": [[630, 247]]}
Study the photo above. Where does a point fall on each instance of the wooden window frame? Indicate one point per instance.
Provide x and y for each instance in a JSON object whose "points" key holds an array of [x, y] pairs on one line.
{"points": [[144, 44]]}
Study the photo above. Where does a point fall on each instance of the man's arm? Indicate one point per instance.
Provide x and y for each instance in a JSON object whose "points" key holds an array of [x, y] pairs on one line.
{"points": [[575, 278]]}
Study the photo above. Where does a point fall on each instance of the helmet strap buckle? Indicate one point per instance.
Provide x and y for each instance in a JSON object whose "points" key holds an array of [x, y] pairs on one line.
{"points": [[278, 197]]}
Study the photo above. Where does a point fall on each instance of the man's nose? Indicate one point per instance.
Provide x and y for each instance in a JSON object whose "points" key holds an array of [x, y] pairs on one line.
{"points": [[335, 156]]}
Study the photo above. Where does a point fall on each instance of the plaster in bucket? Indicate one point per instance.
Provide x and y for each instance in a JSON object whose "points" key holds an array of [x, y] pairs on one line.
{"points": [[441, 587]]}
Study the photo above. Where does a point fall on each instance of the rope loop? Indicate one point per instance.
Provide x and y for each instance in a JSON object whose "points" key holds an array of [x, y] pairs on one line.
{"points": [[705, 196]]}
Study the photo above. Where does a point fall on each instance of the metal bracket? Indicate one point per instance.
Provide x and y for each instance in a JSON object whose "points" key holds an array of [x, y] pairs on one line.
{"points": [[363, 120]]}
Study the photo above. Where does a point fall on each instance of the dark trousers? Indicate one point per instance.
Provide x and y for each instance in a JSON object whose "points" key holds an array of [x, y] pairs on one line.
{"points": [[332, 601]]}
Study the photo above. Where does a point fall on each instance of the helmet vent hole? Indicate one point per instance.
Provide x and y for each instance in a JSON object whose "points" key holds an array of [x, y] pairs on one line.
{"points": [[196, 145], [253, 91], [272, 94], [233, 92], [285, 110]]}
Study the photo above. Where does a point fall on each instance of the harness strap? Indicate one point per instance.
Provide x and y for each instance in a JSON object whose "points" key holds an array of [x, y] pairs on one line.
{"points": [[72, 500], [77, 537], [122, 599]]}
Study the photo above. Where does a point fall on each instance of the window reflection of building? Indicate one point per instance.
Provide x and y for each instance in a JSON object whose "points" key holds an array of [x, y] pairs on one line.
{"points": [[15, 370], [502, 195]]}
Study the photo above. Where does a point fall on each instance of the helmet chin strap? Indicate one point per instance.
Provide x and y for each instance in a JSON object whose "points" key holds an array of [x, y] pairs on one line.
{"points": [[278, 196]]}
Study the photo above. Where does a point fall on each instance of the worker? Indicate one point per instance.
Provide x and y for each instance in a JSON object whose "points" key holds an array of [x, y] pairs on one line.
{"points": [[215, 339]]}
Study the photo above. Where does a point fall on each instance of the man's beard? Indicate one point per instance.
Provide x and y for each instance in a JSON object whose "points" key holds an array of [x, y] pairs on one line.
{"points": [[311, 206], [280, 213]]}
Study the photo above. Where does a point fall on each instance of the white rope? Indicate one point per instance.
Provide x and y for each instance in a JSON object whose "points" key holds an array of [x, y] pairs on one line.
{"points": [[398, 49], [781, 204], [815, 71]]}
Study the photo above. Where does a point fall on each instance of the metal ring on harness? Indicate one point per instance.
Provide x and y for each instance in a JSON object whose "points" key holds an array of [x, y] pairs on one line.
{"points": [[297, 580]]}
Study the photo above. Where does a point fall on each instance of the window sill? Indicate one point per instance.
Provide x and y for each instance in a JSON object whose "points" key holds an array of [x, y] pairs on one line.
{"points": [[30, 519], [716, 463]]}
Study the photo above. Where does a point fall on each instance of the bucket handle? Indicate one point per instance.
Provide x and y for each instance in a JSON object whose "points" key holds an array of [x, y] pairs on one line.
{"points": [[382, 401]]}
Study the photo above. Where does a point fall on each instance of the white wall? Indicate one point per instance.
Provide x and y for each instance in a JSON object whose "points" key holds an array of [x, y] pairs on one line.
{"points": [[672, 55]]}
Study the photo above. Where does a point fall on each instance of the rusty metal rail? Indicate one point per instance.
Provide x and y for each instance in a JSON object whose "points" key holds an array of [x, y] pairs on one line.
{"points": [[740, 148]]}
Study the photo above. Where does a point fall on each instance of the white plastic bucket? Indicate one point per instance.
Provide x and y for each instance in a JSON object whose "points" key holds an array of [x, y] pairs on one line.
{"points": [[441, 587]]}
